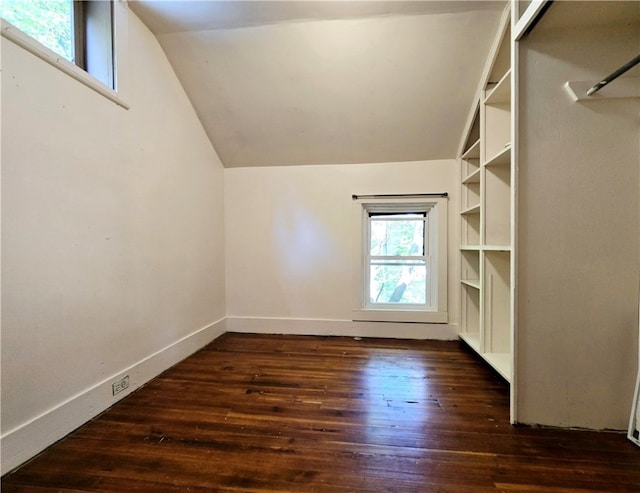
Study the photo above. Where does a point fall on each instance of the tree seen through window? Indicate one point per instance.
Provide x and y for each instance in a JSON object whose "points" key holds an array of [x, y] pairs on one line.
{"points": [[398, 270], [48, 21]]}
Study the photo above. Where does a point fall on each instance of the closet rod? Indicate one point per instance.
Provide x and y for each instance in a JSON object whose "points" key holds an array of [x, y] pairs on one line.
{"points": [[399, 195], [614, 75]]}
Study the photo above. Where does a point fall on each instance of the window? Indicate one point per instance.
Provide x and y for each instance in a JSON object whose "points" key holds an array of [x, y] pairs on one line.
{"points": [[402, 261], [79, 31], [48, 21], [397, 258]]}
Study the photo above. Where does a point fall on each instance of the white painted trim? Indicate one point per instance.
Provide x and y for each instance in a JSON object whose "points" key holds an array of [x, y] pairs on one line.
{"points": [[527, 18], [405, 315], [122, 64], [30, 438], [18, 37], [513, 271], [634, 418], [346, 328], [634, 424], [437, 207]]}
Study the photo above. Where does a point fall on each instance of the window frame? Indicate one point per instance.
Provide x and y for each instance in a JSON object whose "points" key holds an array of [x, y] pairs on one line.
{"points": [[435, 308], [119, 40], [94, 34]]}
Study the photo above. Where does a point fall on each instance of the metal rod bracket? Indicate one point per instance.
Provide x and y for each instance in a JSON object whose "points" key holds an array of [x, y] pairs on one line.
{"points": [[613, 76]]}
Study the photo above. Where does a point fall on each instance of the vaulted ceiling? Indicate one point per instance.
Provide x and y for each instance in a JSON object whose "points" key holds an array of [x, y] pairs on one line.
{"points": [[327, 82]]}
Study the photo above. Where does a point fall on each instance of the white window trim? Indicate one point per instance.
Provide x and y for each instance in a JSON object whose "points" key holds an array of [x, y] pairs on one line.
{"points": [[120, 34], [362, 311]]}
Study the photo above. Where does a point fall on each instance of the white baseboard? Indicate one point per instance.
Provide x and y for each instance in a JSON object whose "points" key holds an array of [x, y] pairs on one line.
{"points": [[32, 437], [349, 328]]}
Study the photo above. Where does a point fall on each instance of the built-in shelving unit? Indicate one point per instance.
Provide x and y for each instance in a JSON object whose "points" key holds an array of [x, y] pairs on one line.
{"points": [[486, 216]]}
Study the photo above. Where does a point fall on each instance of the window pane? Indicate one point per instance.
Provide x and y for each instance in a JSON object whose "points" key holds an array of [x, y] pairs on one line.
{"points": [[394, 282], [397, 237], [48, 21]]}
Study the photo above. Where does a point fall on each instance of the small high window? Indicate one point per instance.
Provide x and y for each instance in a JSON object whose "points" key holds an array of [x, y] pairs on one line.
{"points": [[48, 22], [79, 31]]}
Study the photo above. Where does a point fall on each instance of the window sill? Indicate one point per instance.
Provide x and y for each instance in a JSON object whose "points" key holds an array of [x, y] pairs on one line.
{"points": [[16, 36], [415, 316]]}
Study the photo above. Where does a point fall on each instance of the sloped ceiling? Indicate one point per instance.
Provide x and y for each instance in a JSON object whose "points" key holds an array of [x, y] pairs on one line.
{"points": [[329, 82]]}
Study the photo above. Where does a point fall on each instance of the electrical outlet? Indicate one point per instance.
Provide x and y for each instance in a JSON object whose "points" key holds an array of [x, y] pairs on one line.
{"points": [[120, 385]]}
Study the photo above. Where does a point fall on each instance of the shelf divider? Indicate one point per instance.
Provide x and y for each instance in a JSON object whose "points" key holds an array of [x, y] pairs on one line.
{"points": [[473, 152], [472, 177], [471, 283], [502, 157], [501, 93], [471, 210]]}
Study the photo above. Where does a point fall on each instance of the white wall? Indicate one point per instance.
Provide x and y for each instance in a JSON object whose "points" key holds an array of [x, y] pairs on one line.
{"points": [[112, 231], [578, 229], [289, 243]]}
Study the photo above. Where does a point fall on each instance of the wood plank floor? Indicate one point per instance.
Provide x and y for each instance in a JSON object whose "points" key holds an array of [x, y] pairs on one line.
{"points": [[257, 413]]}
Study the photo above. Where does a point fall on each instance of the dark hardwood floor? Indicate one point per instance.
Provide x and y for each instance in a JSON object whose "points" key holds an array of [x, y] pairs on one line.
{"points": [[257, 413]]}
